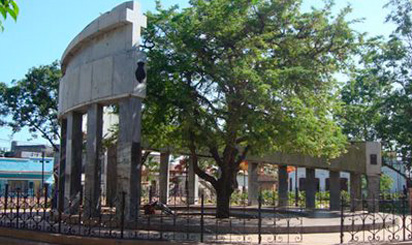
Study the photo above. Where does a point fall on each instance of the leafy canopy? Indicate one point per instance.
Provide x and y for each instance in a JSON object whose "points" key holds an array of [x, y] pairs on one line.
{"points": [[32, 102], [227, 74]]}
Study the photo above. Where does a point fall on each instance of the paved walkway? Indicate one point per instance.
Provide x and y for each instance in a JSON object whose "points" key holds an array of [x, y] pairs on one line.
{"points": [[8, 240]]}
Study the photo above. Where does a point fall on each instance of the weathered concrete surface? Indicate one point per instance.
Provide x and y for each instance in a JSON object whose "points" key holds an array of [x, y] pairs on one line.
{"points": [[73, 168], [62, 164], [129, 157], [54, 238], [283, 186], [193, 184], [99, 64], [355, 191], [111, 175], [354, 160], [335, 188], [93, 160], [253, 184], [373, 192], [310, 188], [164, 177]]}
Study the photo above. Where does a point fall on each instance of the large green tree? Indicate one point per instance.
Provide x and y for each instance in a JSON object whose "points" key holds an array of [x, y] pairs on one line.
{"points": [[32, 102], [8, 8], [231, 78], [366, 94], [399, 70], [378, 99]]}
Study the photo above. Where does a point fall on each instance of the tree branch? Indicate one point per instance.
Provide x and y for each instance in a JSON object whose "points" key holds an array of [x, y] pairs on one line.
{"points": [[202, 174], [144, 157], [242, 157], [396, 170]]}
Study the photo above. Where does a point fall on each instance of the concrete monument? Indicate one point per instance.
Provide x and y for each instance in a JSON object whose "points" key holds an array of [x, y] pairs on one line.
{"points": [[102, 66]]}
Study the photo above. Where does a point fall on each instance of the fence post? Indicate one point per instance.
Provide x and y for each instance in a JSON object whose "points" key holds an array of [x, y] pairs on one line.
{"points": [[46, 189], [342, 218], [202, 212], [150, 193], [81, 196], [6, 198], [60, 219], [404, 217], [18, 207], [260, 219], [122, 214]]}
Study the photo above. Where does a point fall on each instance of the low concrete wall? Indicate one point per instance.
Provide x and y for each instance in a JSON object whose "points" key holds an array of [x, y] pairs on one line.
{"points": [[37, 236]]}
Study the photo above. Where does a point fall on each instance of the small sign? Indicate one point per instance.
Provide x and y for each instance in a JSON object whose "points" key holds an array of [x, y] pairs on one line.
{"points": [[28, 154]]}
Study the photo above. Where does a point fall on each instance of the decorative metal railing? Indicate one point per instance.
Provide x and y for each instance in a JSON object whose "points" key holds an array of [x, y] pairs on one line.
{"points": [[388, 222], [188, 223]]}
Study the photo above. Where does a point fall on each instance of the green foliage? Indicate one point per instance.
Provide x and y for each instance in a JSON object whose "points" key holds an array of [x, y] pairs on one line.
{"points": [[32, 102], [379, 97], [231, 76], [239, 198], [247, 73], [8, 8], [386, 183], [365, 95]]}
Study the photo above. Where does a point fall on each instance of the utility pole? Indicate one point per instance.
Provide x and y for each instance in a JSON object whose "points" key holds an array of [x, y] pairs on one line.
{"points": [[42, 170]]}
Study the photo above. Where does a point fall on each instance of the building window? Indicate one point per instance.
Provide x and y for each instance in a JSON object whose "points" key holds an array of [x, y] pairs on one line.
{"points": [[373, 159]]}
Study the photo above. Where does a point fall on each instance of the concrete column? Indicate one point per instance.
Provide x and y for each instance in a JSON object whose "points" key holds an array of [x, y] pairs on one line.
{"points": [[72, 186], [334, 186], [193, 184], [310, 188], [355, 191], [93, 160], [283, 186], [111, 176], [62, 164], [373, 192], [164, 177], [129, 155], [56, 176], [253, 184]]}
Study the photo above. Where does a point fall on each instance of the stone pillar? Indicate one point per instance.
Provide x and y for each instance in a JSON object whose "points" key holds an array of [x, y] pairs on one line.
{"points": [[129, 155], [283, 186], [62, 164], [72, 185], [355, 191], [253, 184], [93, 160], [56, 176], [193, 183], [111, 175], [334, 186], [164, 177], [373, 192], [310, 188]]}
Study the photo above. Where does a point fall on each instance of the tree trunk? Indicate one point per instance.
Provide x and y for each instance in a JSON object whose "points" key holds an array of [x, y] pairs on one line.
{"points": [[223, 202], [224, 191]]}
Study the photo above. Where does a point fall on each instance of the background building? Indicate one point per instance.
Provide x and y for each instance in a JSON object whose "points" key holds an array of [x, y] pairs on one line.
{"points": [[26, 174]]}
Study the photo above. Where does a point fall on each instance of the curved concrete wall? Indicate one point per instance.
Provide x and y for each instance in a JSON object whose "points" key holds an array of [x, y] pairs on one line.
{"points": [[99, 64]]}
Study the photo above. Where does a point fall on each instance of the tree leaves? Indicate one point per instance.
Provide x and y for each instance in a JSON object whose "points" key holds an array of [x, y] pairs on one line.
{"points": [[255, 72], [8, 7], [32, 102]]}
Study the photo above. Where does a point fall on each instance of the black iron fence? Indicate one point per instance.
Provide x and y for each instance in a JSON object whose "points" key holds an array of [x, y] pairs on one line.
{"points": [[376, 220], [387, 219], [262, 224]]}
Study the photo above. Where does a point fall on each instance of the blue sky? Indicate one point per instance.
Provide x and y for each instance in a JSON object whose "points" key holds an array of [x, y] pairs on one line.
{"points": [[45, 27]]}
